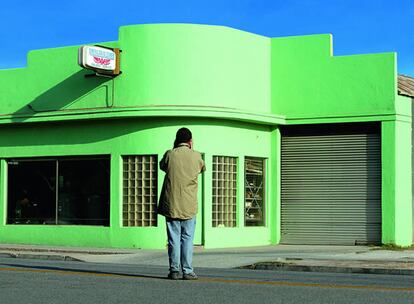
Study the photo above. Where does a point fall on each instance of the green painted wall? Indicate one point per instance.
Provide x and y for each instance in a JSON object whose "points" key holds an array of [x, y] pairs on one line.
{"points": [[52, 81], [396, 183], [231, 87], [308, 82], [173, 65], [309, 85], [194, 65], [129, 137], [208, 67], [275, 185]]}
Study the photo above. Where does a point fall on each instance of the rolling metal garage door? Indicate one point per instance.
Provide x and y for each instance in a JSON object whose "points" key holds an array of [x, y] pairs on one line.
{"points": [[331, 184]]}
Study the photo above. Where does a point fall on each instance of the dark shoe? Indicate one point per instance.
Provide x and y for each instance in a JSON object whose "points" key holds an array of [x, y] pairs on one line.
{"points": [[190, 276], [174, 276]]}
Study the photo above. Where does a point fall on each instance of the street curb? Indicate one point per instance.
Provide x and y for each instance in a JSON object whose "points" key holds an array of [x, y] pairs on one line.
{"points": [[39, 257], [95, 252], [5, 255], [279, 266]]}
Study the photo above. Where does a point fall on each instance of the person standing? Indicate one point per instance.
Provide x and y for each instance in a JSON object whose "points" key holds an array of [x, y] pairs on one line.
{"points": [[178, 202]]}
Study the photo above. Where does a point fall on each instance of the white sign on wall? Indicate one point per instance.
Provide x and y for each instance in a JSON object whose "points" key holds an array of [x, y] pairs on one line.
{"points": [[99, 59]]}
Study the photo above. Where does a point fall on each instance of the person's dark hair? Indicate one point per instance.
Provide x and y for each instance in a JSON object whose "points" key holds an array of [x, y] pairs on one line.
{"points": [[183, 135]]}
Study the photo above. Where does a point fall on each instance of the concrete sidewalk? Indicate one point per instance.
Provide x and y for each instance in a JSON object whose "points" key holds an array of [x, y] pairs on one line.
{"points": [[348, 259]]}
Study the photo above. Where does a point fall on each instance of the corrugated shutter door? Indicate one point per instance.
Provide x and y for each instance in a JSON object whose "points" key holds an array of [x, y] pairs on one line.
{"points": [[331, 189]]}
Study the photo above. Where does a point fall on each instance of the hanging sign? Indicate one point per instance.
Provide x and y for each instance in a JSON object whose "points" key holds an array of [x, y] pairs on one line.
{"points": [[102, 60]]}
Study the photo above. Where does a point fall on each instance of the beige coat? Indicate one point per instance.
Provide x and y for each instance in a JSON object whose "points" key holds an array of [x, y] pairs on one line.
{"points": [[178, 198]]}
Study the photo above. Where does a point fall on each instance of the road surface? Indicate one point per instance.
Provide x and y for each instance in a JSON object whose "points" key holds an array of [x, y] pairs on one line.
{"points": [[43, 282]]}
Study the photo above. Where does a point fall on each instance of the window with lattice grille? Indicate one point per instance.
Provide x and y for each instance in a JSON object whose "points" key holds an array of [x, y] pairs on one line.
{"points": [[224, 191], [140, 190], [254, 181]]}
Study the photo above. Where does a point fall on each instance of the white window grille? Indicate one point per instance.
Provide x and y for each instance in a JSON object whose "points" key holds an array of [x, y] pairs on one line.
{"points": [[254, 170], [140, 190], [224, 191]]}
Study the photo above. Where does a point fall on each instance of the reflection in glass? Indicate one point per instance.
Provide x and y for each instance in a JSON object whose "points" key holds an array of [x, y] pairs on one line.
{"points": [[83, 192], [254, 191], [58, 191], [31, 192]]}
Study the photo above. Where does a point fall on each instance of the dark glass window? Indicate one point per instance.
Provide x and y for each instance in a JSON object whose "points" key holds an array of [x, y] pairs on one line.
{"points": [[83, 196], [254, 191], [31, 192], [59, 191]]}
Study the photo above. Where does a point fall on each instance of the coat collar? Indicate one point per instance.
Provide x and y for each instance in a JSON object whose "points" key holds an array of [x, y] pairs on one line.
{"points": [[183, 144]]}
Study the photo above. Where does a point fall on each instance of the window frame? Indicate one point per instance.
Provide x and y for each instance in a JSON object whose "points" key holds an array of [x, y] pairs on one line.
{"points": [[215, 221], [263, 220], [153, 204], [56, 160]]}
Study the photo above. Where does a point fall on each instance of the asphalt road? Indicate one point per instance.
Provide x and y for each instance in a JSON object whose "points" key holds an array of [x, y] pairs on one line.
{"points": [[38, 281]]}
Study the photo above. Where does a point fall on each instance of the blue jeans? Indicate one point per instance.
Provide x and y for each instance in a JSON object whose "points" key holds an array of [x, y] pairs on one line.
{"points": [[180, 244]]}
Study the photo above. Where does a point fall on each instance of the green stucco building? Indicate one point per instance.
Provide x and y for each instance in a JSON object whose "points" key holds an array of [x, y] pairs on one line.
{"points": [[301, 147]]}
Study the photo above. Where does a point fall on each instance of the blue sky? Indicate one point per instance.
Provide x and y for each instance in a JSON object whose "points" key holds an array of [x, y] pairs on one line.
{"points": [[358, 26]]}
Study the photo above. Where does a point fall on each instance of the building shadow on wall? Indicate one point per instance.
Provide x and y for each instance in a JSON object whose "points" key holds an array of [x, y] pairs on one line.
{"points": [[64, 94], [373, 186], [92, 131]]}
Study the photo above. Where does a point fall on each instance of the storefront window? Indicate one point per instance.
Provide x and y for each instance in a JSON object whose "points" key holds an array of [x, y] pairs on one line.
{"points": [[32, 192], [224, 191], [254, 191], [83, 197], [59, 191]]}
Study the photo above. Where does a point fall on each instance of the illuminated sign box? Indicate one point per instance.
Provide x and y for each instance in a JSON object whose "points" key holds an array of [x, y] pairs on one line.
{"points": [[99, 59]]}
